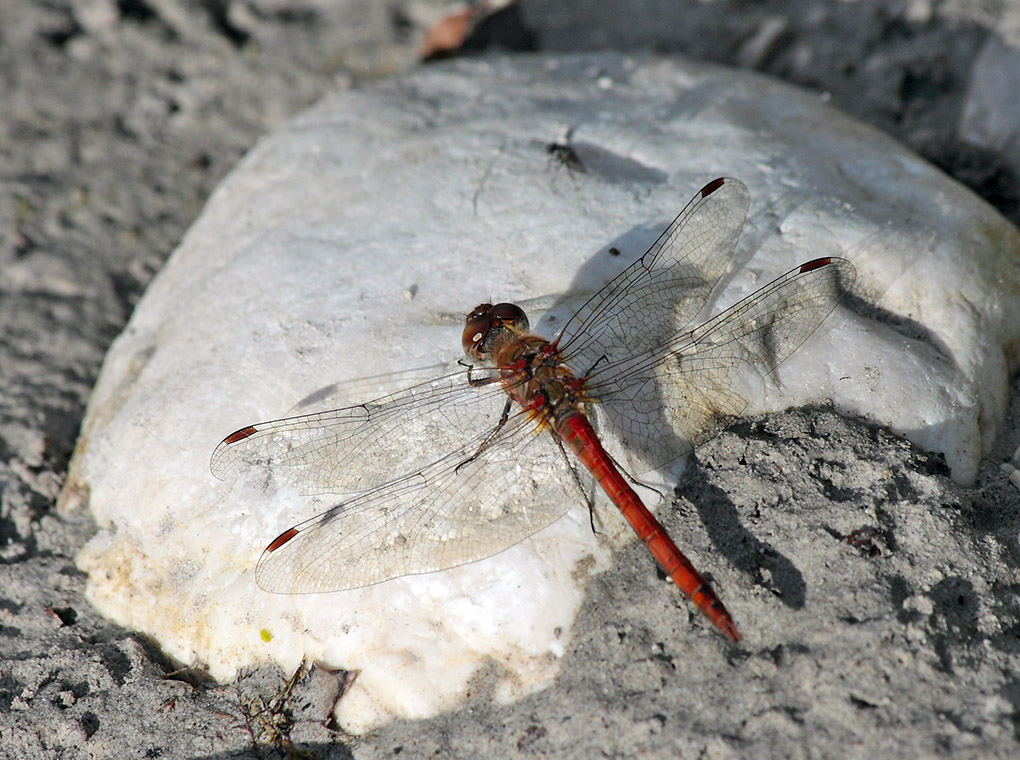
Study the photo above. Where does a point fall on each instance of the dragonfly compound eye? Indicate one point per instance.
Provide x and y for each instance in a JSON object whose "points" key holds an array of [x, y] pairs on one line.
{"points": [[476, 327], [509, 315], [485, 322]]}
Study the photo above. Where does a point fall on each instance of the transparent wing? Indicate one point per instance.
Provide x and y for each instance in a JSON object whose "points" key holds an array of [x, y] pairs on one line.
{"points": [[476, 501], [357, 447], [678, 394], [660, 293]]}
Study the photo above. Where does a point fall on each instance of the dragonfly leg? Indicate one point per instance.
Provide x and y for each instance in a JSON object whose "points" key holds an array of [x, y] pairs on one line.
{"points": [[492, 434]]}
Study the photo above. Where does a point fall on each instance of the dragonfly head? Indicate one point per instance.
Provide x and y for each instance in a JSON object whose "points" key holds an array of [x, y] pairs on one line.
{"points": [[486, 324]]}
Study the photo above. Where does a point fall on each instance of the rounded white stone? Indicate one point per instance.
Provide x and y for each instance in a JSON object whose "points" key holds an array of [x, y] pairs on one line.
{"points": [[351, 244]]}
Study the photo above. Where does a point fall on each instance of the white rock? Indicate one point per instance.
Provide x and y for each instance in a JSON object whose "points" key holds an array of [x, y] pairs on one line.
{"points": [[351, 243]]}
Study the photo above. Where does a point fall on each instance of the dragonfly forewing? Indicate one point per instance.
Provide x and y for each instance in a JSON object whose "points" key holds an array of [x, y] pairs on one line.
{"points": [[660, 293], [358, 447]]}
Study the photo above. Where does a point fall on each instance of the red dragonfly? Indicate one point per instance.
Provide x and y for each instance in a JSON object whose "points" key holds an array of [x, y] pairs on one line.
{"points": [[626, 362]]}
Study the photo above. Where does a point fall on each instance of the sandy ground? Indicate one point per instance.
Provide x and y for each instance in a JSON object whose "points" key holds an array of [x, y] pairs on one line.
{"points": [[116, 121]]}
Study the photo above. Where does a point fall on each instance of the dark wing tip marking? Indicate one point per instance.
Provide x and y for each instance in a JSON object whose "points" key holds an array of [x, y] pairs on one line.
{"points": [[712, 186], [281, 539], [240, 435], [814, 264]]}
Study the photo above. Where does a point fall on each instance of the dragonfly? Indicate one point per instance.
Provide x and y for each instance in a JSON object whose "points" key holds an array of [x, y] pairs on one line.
{"points": [[464, 466]]}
